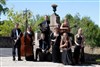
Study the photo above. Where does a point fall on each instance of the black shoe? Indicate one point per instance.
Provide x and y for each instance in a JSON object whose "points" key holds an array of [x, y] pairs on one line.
{"points": [[20, 60], [13, 59]]}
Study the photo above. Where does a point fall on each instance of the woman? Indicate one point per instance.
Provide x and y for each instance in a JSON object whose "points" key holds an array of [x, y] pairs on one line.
{"points": [[65, 45], [79, 48], [55, 39], [65, 27], [28, 41]]}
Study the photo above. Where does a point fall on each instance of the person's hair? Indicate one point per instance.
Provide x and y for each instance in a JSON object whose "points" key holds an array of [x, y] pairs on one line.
{"points": [[16, 23], [67, 37], [65, 19], [80, 29]]}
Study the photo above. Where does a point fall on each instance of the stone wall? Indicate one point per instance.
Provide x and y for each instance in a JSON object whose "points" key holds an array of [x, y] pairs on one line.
{"points": [[6, 42], [92, 54], [92, 50]]}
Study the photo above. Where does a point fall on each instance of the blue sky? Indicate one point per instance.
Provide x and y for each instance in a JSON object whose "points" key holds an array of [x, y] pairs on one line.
{"points": [[90, 8]]}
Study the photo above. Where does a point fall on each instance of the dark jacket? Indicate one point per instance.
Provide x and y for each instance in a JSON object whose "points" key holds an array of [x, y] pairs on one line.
{"points": [[43, 45], [47, 29], [13, 33]]}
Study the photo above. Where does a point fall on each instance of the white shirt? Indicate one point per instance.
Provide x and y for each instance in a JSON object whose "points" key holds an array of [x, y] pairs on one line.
{"points": [[17, 32]]}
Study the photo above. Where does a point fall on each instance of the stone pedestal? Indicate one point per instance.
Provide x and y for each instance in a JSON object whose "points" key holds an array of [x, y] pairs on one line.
{"points": [[54, 21]]}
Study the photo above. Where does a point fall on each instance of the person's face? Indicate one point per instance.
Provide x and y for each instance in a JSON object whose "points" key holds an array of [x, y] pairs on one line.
{"points": [[16, 26], [28, 29], [65, 36], [46, 17], [65, 22], [42, 36]]}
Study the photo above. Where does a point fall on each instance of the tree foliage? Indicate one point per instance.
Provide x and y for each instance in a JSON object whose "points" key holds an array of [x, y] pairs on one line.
{"points": [[2, 8], [19, 17], [90, 30], [6, 28]]}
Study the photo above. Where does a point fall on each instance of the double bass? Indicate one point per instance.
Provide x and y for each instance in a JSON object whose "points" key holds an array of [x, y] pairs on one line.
{"points": [[26, 46]]}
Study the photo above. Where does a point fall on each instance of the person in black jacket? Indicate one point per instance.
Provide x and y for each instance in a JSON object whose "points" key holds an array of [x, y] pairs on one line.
{"points": [[45, 29], [43, 48], [15, 35]]}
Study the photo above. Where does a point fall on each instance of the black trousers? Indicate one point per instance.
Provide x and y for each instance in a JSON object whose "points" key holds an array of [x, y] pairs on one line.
{"points": [[17, 46], [79, 55], [38, 50], [43, 56]]}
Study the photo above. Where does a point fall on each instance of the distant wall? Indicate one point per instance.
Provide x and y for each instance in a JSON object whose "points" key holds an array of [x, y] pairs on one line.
{"points": [[6, 42], [92, 50]]}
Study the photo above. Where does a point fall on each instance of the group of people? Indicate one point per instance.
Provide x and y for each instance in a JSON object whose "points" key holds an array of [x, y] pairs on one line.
{"points": [[60, 40]]}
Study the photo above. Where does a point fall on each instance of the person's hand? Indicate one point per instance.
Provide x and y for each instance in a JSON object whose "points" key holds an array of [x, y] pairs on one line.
{"points": [[82, 46], [18, 37], [47, 51], [60, 46], [43, 50], [15, 41]]}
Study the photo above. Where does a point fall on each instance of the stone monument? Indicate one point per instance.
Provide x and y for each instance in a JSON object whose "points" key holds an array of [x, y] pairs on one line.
{"points": [[54, 18]]}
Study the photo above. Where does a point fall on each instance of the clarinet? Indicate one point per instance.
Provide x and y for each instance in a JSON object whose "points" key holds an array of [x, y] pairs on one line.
{"points": [[18, 37]]}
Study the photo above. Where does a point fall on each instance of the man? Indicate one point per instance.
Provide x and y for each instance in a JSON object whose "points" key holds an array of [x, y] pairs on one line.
{"points": [[45, 29], [44, 26], [42, 51], [15, 35]]}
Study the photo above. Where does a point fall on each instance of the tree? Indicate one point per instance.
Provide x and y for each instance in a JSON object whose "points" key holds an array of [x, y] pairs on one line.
{"points": [[72, 21], [38, 20], [19, 17], [6, 28], [90, 30], [2, 8]]}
